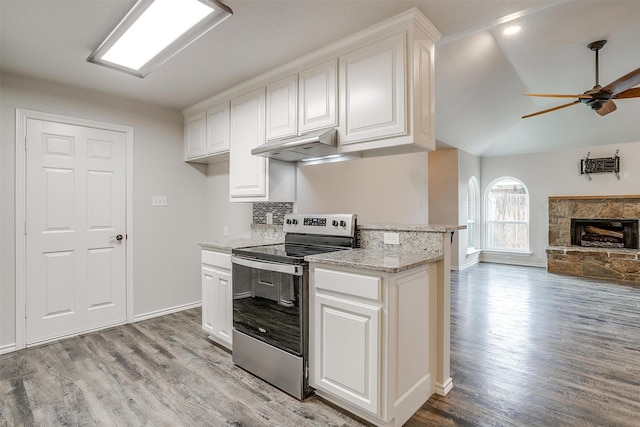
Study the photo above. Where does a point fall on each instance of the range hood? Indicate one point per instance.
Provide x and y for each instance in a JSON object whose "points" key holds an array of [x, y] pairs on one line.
{"points": [[314, 145]]}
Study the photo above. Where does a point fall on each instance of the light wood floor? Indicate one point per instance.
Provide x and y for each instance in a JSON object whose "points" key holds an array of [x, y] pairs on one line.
{"points": [[528, 348]]}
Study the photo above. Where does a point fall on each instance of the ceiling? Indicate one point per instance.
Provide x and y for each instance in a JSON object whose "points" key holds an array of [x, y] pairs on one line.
{"points": [[480, 73]]}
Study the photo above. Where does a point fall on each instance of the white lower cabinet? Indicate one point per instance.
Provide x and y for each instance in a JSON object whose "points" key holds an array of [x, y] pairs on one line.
{"points": [[372, 340], [217, 311], [347, 352]]}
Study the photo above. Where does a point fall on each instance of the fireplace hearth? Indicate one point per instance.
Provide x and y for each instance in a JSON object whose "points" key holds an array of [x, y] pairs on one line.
{"points": [[605, 233]]}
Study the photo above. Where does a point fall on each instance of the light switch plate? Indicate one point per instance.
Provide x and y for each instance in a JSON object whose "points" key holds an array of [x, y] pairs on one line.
{"points": [[269, 218], [158, 201], [392, 238]]}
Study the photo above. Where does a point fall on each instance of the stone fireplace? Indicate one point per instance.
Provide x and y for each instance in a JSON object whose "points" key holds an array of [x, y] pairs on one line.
{"points": [[595, 236]]}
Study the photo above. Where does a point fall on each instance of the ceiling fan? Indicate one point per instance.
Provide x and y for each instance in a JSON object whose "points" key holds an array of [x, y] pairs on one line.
{"points": [[599, 98]]}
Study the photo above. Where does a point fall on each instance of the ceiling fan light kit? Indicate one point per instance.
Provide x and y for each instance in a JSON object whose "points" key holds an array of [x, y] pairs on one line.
{"points": [[600, 99]]}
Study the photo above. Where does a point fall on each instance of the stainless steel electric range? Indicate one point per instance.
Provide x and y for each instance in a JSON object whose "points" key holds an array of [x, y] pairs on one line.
{"points": [[271, 301]]}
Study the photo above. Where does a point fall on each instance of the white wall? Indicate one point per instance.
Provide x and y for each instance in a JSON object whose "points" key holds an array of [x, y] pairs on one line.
{"points": [[557, 174], [219, 211], [449, 173], [166, 257], [390, 189], [468, 166], [443, 193]]}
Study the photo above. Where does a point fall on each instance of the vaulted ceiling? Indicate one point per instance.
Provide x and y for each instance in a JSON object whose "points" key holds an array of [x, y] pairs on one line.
{"points": [[480, 73]]}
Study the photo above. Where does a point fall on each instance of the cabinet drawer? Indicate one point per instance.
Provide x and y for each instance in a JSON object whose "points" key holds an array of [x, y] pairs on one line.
{"points": [[349, 283], [217, 259]]}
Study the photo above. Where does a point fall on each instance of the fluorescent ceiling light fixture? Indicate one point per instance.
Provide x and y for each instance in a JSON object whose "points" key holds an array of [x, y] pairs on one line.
{"points": [[154, 31], [509, 31]]}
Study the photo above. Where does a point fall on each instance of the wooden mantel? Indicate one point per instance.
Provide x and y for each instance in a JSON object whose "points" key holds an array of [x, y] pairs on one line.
{"points": [[592, 197]]}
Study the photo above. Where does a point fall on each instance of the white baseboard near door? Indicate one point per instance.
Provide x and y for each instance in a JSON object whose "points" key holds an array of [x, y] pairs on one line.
{"points": [[165, 311], [8, 348]]}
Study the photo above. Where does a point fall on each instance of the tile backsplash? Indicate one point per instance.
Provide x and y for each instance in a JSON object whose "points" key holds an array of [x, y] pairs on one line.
{"points": [[278, 210]]}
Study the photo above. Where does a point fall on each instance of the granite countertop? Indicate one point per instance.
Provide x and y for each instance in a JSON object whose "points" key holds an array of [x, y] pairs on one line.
{"points": [[412, 227], [226, 245], [384, 260]]}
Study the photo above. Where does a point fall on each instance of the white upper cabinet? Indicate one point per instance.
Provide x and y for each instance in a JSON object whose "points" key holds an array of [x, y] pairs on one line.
{"points": [[376, 86], [317, 105], [195, 129], [247, 173], [386, 90], [373, 96], [218, 129], [282, 112], [254, 178], [207, 134]]}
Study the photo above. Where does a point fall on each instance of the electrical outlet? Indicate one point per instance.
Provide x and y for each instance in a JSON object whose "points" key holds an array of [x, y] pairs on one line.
{"points": [[269, 218], [392, 238], [225, 230], [158, 200]]}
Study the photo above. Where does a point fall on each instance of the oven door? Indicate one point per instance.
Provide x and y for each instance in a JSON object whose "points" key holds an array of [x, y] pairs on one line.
{"points": [[268, 302]]}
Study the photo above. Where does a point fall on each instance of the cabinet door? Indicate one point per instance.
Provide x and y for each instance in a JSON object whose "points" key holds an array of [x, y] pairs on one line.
{"points": [[318, 97], [208, 303], [218, 129], [373, 91], [217, 315], [223, 315], [346, 353], [247, 173], [195, 135], [282, 108]]}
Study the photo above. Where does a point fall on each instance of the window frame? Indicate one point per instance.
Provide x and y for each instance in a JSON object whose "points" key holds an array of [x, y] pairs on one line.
{"points": [[473, 192], [526, 222]]}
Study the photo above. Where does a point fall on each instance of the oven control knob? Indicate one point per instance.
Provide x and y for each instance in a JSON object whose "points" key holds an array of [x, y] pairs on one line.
{"points": [[288, 221], [334, 223], [343, 223], [294, 221]]}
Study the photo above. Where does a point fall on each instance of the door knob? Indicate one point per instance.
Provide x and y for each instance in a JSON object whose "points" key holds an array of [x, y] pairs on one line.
{"points": [[118, 237]]}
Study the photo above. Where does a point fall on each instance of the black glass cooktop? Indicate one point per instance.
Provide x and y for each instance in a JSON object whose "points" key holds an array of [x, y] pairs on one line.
{"points": [[287, 253]]}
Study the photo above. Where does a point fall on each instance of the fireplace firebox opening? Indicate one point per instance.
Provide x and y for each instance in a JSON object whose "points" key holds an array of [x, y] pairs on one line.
{"points": [[605, 233]]}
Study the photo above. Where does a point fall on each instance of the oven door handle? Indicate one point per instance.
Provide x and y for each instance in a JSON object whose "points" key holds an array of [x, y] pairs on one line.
{"points": [[295, 270]]}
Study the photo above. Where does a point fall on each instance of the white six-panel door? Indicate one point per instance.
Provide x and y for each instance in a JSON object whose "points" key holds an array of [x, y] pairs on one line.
{"points": [[75, 208]]}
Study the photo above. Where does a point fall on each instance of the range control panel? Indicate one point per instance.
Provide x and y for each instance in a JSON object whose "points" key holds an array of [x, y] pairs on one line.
{"points": [[326, 224]]}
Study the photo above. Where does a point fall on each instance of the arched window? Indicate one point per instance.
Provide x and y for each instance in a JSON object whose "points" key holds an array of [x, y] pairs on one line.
{"points": [[507, 215], [473, 213]]}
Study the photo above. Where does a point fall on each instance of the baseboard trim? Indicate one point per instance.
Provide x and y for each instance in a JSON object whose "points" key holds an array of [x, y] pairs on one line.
{"points": [[8, 348], [444, 389], [514, 262], [165, 311], [467, 265]]}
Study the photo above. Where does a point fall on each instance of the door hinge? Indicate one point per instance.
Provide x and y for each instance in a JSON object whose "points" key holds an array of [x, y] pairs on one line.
{"points": [[25, 228]]}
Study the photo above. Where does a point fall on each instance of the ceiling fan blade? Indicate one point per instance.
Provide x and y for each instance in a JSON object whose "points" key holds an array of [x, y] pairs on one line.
{"points": [[557, 95], [551, 109], [629, 93], [625, 82], [607, 108]]}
